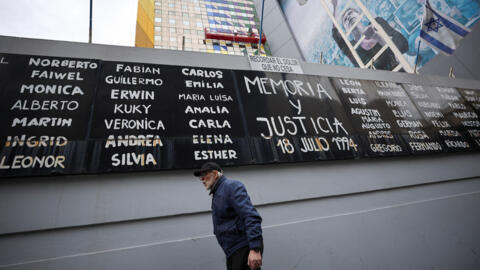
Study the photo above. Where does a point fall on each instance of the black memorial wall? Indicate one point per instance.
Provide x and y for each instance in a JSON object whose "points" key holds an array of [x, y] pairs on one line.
{"points": [[70, 116]]}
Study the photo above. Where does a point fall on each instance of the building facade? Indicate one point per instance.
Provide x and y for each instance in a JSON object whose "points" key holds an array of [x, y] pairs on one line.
{"points": [[411, 212], [213, 26]]}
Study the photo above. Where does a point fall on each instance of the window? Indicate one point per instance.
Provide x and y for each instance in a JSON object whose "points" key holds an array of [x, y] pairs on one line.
{"points": [[172, 30], [171, 13], [186, 31], [171, 21], [158, 19], [186, 23], [173, 39], [158, 38], [158, 28], [199, 24]]}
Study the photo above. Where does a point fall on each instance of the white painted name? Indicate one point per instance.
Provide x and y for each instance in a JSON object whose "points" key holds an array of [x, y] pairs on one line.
{"points": [[45, 105], [211, 139], [25, 162], [68, 90], [215, 154], [133, 124], [132, 94], [131, 109], [206, 110], [35, 141], [133, 159], [218, 74], [133, 140], [42, 122], [79, 64], [69, 76]]}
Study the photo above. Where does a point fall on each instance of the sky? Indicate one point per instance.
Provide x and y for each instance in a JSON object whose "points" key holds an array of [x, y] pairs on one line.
{"points": [[113, 22]]}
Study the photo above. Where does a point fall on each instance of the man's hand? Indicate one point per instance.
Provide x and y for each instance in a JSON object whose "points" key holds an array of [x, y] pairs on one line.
{"points": [[254, 259]]}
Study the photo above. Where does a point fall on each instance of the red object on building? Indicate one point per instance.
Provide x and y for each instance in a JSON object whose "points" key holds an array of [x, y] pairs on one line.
{"points": [[235, 37]]}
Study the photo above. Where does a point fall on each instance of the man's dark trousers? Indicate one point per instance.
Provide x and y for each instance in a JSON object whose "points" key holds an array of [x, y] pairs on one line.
{"points": [[239, 259]]}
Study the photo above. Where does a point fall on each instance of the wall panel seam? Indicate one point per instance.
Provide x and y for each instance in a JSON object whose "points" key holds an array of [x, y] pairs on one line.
{"points": [[277, 203], [263, 227]]}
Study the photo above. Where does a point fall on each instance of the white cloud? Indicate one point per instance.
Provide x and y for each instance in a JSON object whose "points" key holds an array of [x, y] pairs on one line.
{"points": [[113, 20]]}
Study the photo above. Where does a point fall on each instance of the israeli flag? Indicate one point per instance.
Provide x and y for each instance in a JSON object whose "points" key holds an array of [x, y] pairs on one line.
{"points": [[440, 31]]}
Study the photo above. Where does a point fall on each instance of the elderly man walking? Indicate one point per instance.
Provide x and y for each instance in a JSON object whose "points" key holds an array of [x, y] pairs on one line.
{"points": [[236, 223]]}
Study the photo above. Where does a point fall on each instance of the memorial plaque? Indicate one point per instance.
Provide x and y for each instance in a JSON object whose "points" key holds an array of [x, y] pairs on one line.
{"points": [[45, 111], [207, 115], [131, 119], [446, 111], [472, 96], [159, 117], [406, 120], [371, 116], [293, 117], [69, 116]]}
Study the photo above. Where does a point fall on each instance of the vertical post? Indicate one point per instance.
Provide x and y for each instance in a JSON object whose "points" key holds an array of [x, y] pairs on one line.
{"points": [[450, 73], [416, 58], [261, 29], [90, 27]]}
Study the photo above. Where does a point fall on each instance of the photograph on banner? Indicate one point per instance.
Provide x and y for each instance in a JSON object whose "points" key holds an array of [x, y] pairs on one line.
{"points": [[355, 33]]}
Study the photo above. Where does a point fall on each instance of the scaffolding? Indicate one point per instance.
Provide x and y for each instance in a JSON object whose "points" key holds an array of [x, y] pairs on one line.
{"points": [[403, 63]]}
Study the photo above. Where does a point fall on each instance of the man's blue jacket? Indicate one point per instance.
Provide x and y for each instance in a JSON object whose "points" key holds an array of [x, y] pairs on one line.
{"points": [[236, 223]]}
